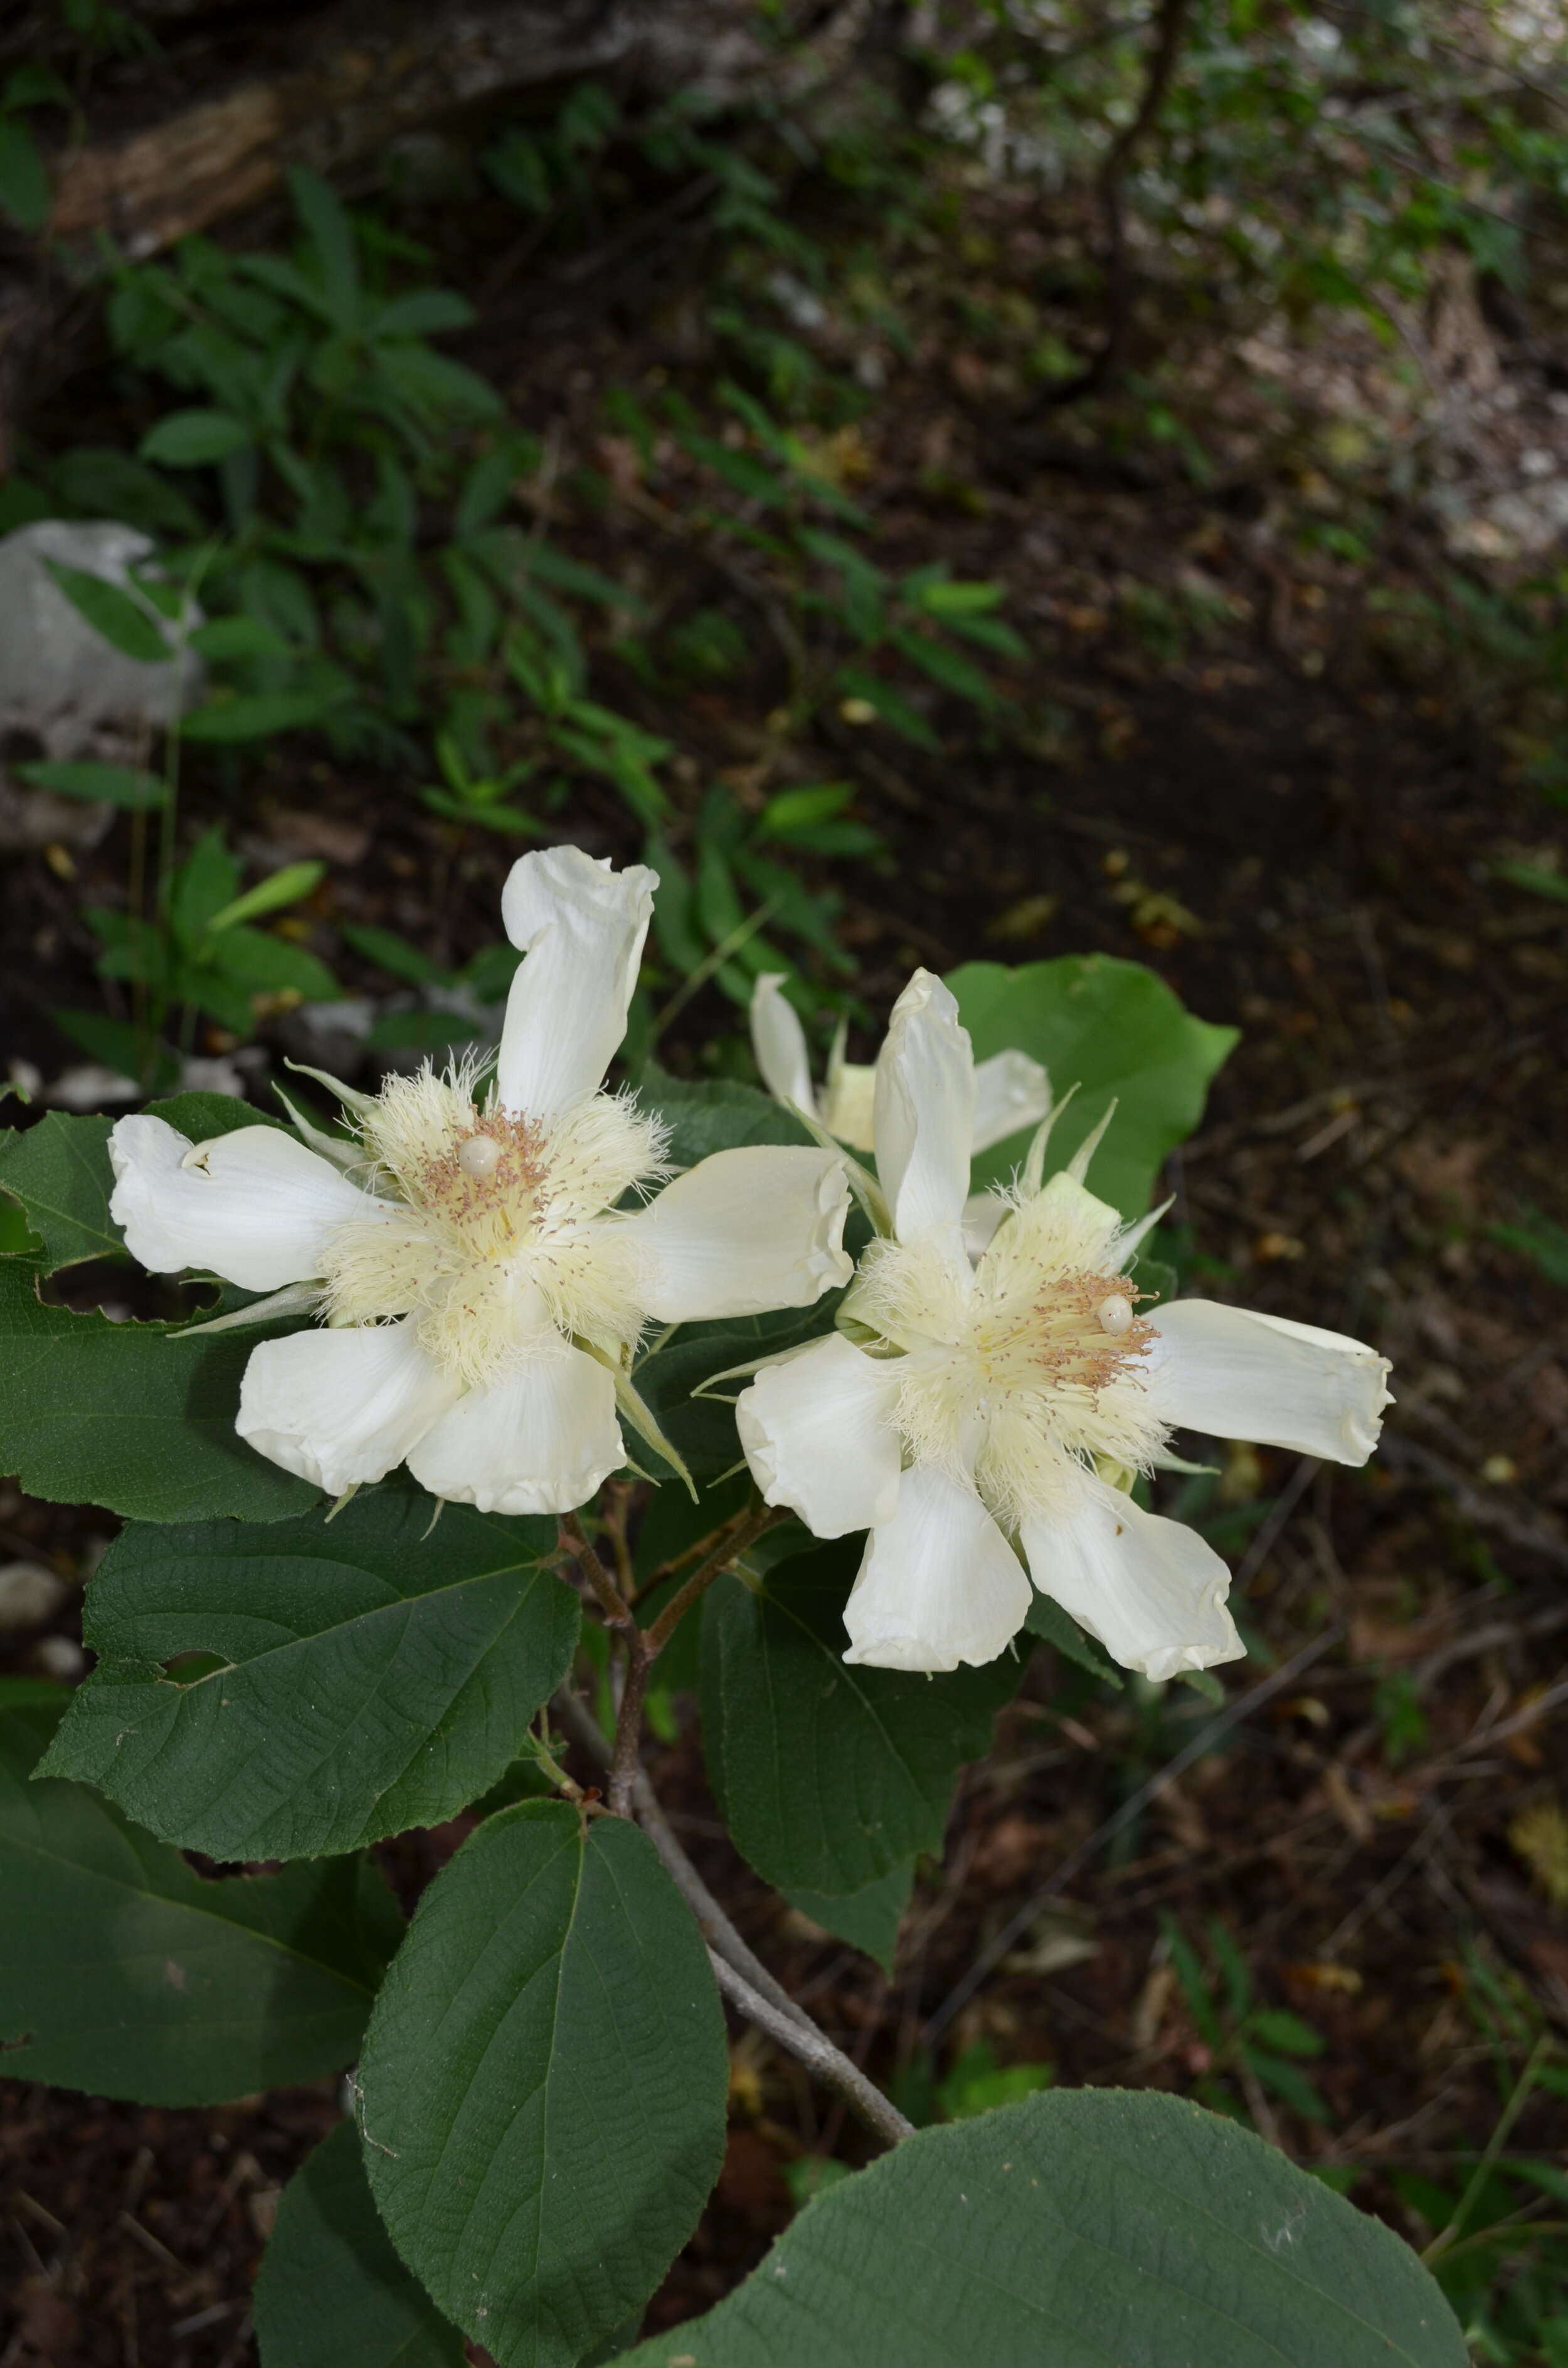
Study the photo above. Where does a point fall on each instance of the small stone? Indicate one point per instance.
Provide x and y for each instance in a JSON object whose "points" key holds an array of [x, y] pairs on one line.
{"points": [[28, 1596], [58, 1657]]}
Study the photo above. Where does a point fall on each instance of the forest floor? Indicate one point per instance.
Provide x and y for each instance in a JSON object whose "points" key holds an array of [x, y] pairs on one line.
{"points": [[1301, 843]]}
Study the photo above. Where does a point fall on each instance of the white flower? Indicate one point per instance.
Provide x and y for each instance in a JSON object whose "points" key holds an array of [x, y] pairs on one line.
{"points": [[974, 1418], [1011, 1090], [482, 1283]]}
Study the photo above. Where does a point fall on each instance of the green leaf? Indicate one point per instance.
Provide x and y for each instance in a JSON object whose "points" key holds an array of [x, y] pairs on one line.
{"points": [[59, 1171], [830, 1776], [1084, 2228], [368, 1676], [203, 1115], [194, 440], [332, 2293], [887, 703], [1536, 878], [279, 888], [394, 954], [259, 963], [111, 785], [131, 1417], [253, 715], [715, 1115], [1115, 1030], [112, 612], [703, 1430], [867, 1918], [24, 180], [1046, 1618], [123, 1972], [228, 637], [544, 2083]]}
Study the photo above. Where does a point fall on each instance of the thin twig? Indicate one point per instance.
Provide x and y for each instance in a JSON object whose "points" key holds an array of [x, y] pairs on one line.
{"points": [[574, 1540], [817, 2053], [714, 1925], [760, 1518], [1494, 2145], [1133, 1806]]}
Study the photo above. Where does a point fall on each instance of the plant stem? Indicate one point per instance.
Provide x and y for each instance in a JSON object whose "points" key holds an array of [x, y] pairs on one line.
{"points": [[729, 1550], [817, 2053], [740, 1973], [574, 1538], [1494, 2145], [716, 1926]]}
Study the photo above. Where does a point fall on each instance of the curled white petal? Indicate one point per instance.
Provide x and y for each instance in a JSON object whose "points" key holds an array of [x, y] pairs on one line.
{"points": [[1010, 1092], [741, 1232], [939, 1584], [778, 1042], [818, 1434], [850, 1104], [342, 1407], [1236, 1374], [539, 1440], [1152, 1590], [255, 1206], [983, 1212], [581, 928], [924, 1112]]}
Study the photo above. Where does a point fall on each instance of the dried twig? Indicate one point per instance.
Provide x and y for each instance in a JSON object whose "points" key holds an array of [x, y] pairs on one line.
{"points": [[817, 2053]]}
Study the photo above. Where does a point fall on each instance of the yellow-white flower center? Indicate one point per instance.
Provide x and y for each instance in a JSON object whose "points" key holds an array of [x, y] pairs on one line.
{"points": [[1026, 1370], [501, 1228]]}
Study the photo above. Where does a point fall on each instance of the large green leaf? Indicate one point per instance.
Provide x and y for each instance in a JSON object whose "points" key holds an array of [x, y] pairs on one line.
{"points": [[356, 1675], [132, 1417], [60, 1171], [123, 1972], [1115, 1030], [332, 2293], [867, 1918], [544, 2082], [715, 1115], [830, 1777], [1090, 2228]]}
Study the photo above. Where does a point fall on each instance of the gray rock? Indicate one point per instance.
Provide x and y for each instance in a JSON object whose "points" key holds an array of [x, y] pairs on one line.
{"points": [[61, 682], [28, 1596]]}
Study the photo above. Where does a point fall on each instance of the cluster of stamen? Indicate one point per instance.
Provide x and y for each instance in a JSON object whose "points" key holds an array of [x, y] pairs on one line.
{"points": [[1079, 1334], [493, 1169]]}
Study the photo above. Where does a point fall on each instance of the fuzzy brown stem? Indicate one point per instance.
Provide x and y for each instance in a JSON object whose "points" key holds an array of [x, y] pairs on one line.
{"points": [[729, 1550], [575, 1541]]}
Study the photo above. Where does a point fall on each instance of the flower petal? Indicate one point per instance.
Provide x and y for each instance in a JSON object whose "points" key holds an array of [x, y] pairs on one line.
{"points": [[537, 1440], [850, 1104], [818, 1434], [924, 1112], [1010, 1091], [983, 1212], [1152, 1590], [253, 1206], [778, 1042], [1236, 1374], [342, 1407], [581, 927], [939, 1583], [741, 1232]]}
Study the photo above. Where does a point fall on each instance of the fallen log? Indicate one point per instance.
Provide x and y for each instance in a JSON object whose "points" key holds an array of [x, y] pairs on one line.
{"points": [[363, 76]]}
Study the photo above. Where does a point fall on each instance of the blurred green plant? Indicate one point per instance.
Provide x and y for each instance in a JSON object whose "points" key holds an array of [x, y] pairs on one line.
{"points": [[1251, 2049]]}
